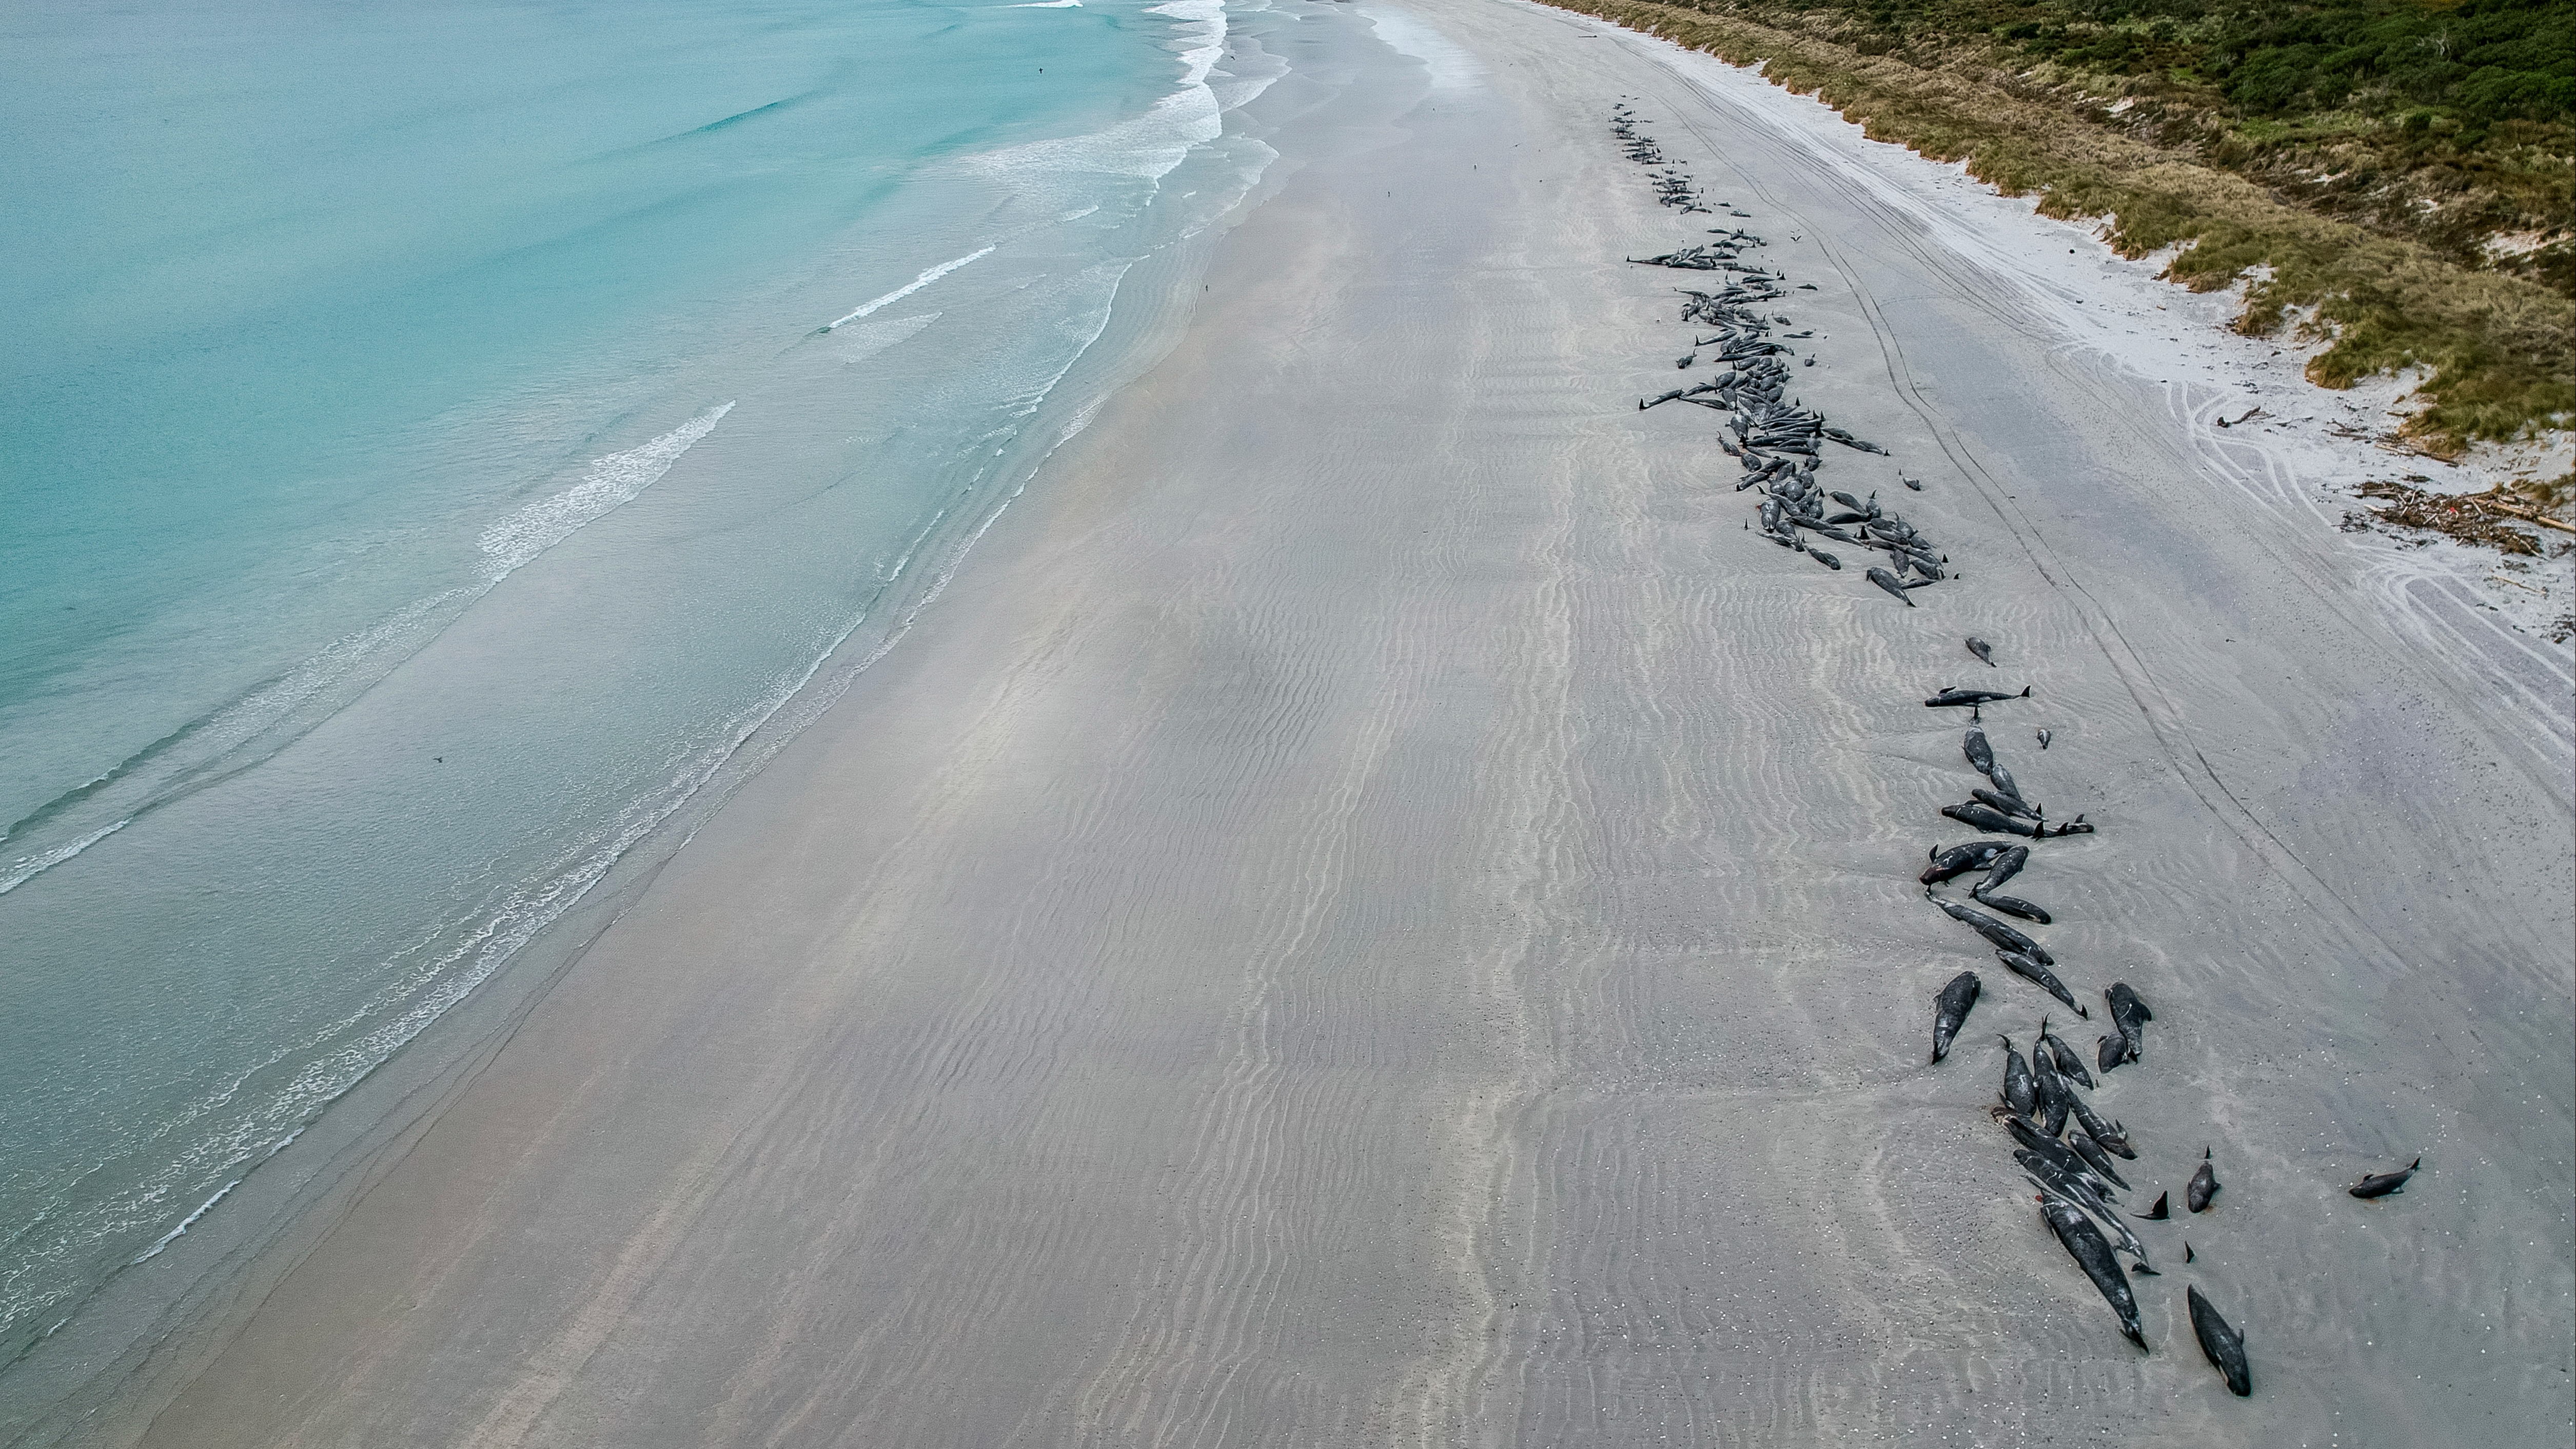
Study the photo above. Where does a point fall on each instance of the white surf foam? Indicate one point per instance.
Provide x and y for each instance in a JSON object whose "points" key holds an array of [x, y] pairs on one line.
{"points": [[866, 342], [612, 481], [906, 290]]}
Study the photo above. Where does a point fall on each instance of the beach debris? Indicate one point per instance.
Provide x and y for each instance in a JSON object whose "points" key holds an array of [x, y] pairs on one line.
{"points": [[2221, 1344], [2382, 1184]]}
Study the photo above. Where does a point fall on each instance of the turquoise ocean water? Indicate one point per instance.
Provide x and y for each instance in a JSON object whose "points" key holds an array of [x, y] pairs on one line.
{"points": [[442, 444]]}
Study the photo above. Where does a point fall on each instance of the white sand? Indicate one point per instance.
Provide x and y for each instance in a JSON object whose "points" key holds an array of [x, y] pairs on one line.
{"points": [[1373, 911]]}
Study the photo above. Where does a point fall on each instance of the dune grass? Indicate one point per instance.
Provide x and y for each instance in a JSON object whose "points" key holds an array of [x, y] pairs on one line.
{"points": [[2498, 349]]}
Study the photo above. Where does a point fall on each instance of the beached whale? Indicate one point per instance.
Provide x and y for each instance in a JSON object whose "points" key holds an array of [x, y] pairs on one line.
{"points": [[1982, 650], [2021, 1093], [2034, 1135], [1887, 581], [2203, 1187], [2221, 1343], [2044, 738], [2012, 906], [1950, 1011], [1951, 698], [2161, 1211], [2381, 1184], [1958, 860], [2056, 1098], [2005, 867], [2092, 1153], [2001, 936], [2068, 1063], [2092, 1252], [2112, 1137], [1977, 815], [1980, 753], [2004, 782], [2012, 805], [2031, 969], [2129, 1017], [2085, 1195]]}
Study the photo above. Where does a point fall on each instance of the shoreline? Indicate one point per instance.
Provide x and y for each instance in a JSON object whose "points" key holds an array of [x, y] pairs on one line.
{"points": [[1172, 986], [108, 1368]]}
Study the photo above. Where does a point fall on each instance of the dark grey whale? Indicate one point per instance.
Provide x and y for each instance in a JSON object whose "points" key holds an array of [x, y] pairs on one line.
{"points": [[1950, 1011], [1958, 860], [2203, 1186], [2221, 1343], [2092, 1252], [2381, 1184]]}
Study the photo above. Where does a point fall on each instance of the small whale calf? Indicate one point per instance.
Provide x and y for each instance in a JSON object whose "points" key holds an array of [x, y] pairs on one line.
{"points": [[2381, 1184], [1950, 1011], [1982, 650], [2221, 1343], [2203, 1187]]}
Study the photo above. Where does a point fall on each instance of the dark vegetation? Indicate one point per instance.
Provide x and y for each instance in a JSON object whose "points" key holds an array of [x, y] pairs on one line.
{"points": [[2397, 177], [2450, 123]]}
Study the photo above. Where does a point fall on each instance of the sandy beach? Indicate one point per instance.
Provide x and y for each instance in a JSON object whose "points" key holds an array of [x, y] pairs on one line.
{"points": [[1373, 910]]}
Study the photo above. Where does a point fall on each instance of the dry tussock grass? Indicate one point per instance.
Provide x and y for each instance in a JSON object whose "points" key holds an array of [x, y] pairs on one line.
{"points": [[2500, 350]]}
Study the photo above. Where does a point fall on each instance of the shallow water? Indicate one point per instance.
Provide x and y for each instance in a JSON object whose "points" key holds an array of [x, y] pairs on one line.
{"points": [[437, 438]]}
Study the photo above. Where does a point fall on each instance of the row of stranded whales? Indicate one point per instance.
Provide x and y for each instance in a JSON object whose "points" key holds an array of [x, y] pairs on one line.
{"points": [[1778, 441], [2068, 1151]]}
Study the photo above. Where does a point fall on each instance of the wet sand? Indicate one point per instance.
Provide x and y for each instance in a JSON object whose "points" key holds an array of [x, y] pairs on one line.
{"points": [[1373, 911]]}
